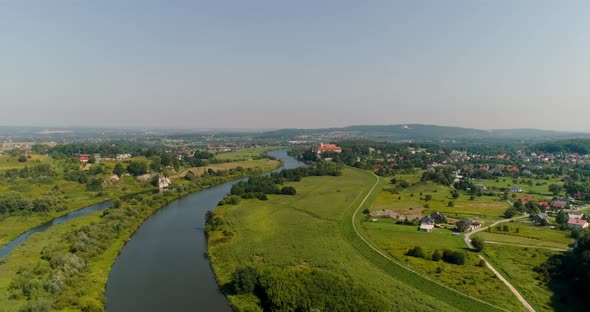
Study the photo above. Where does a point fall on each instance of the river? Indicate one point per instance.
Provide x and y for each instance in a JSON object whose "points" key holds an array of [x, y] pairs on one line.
{"points": [[164, 267]]}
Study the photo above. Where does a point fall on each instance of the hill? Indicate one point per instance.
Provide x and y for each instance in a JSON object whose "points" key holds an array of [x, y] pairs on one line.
{"points": [[420, 132]]}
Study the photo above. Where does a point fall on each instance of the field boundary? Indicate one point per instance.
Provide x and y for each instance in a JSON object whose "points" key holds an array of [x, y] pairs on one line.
{"points": [[391, 260]]}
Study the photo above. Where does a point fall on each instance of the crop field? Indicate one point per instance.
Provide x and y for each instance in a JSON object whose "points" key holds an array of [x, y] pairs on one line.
{"points": [[313, 230], [517, 264], [11, 162]]}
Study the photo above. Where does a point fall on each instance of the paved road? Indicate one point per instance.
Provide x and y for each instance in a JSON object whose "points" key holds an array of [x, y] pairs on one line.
{"points": [[500, 277]]}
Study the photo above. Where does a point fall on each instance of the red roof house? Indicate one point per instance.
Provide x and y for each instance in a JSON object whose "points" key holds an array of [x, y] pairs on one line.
{"points": [[577, 223], [327, 148]]}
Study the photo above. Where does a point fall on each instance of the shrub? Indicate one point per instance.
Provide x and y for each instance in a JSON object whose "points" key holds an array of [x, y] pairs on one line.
{"points": [[477, 243], [454, 257], [451, 204], [288, 190], [436, 256], [416, 251]]}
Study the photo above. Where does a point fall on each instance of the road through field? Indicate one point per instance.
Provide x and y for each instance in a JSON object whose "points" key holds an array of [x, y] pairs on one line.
{"points": [[500, 277]]}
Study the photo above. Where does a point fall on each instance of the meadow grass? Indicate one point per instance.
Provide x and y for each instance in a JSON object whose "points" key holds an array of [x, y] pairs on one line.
{"points": [[263, 164], [244, 154], [528, 234], [517, 264]]}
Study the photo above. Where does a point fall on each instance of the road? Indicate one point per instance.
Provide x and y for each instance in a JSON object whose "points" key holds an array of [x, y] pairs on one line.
{"points": [[498, 275]]}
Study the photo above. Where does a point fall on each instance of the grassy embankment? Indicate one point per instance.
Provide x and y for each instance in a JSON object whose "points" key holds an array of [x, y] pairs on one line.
{"points": [[30, 276], [313, 230]]}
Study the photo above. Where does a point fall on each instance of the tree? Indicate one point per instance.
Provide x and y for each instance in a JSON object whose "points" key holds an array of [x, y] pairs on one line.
{"points": [[288, 190], [510, 212], [416, 251], [366, 211], [436, 256], [561, 217], [393, 181], [22, 158], [477, 243], [451, 204], [428, 197], [137, 168], [244, 280], [462, 226], [455, 194], [555, 189], [119, 170]]}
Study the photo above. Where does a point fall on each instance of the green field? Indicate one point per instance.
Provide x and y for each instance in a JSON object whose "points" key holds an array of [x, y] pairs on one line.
{"points": [[516, 264], [313, 230], [244, 154], [487, 208], [529, 235]]}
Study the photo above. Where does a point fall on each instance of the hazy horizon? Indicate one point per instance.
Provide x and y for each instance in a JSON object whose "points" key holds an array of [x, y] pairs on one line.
{"points": [[306, 64]]}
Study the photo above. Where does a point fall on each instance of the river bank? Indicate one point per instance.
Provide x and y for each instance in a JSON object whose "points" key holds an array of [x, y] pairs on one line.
{"points": [[68, 266]]}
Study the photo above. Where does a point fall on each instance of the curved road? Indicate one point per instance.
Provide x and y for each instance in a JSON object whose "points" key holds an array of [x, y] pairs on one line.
{"points": [[403, 266]]}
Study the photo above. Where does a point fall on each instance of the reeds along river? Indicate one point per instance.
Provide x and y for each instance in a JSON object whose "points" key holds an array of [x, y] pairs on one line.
{"points": [[163, 267]]}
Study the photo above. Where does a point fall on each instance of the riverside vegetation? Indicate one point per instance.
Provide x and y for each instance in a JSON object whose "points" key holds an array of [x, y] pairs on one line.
{"points": [[67, 267]]}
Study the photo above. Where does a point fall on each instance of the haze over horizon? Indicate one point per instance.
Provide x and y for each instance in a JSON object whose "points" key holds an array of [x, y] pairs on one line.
{"points": [[304, 64]]}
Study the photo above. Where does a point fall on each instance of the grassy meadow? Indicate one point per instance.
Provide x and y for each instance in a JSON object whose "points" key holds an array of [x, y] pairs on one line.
{"points": [[517, 264], [528, 234], [244, 154], [313, 229]]}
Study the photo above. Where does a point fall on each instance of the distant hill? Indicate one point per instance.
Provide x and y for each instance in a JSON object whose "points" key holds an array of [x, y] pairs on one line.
{"points": [[419, 132]]}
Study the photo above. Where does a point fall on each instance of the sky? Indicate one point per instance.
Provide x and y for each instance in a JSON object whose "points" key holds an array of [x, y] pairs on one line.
{"points": [[295, 64]]}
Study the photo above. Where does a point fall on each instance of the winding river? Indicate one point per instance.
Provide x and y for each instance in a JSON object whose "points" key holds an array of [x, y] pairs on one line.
{"points": [[164, 267]]}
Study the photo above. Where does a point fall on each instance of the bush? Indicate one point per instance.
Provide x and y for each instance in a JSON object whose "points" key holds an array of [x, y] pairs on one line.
{"points": [[477, 243], [436, 256], [454, 257], [288, 190], [451, 204], [416, 251]]}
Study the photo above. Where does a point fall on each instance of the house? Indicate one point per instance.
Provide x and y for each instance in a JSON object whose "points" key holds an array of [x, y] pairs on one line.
{"points": [[559, 204], [427, 220], [513, 169], [579, 195], [327, 148], [525, 199], [426, 227], [543, 204], [577, 224], [481, 186], [526, 172], [575, 215], [427, 224], [123, 156], [438, 217], [516, 189], [84, 158], [540, 218]]}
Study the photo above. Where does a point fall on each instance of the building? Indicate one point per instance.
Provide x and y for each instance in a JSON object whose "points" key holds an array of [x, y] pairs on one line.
{"points": [[322, 148], [575, 215], [516, 189], [426, 227], [438, 217], [577, 224], [84, 158]]}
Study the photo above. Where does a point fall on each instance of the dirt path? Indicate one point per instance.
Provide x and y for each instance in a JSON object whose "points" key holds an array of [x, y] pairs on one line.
{"points": [[400, 264], [498, 275], [526, 246]]}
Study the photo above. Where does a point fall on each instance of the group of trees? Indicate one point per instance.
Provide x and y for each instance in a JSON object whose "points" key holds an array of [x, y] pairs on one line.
{"points": [[454, 257], [305, 290], [15, 203]]}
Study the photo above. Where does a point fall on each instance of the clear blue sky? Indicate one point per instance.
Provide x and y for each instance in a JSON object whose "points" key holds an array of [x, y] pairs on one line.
{"points": [[275, 64]]}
